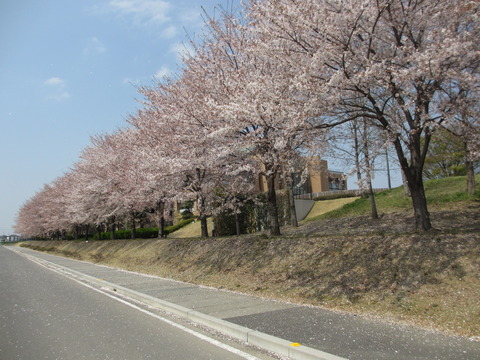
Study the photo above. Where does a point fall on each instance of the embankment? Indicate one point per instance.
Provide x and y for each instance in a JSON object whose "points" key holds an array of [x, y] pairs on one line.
{"points": [[430, 280]]}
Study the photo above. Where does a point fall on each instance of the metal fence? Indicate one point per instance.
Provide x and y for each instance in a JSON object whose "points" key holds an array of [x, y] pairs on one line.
{"points": [[356, 192]]}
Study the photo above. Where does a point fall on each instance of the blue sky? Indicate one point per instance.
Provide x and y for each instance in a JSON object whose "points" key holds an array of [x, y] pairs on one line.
{"points": [[68, 70]]}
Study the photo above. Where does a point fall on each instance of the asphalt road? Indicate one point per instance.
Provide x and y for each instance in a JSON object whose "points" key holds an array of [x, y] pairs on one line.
{"points": [[316, 329], [44, 315]]}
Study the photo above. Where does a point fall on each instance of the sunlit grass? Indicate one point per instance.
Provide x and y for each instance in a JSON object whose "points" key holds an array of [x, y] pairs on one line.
{"points": [[192, 230], [324, 206], [440, 193]]}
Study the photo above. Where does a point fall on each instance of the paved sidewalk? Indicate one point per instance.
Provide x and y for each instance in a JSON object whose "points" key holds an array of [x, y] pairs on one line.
{"points": [[342, 335]]}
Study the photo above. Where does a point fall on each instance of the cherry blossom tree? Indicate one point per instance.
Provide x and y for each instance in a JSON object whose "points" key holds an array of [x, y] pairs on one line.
{"points": [[118, 176], [386, 60], [196, 162], [44, 214], [29, 221], [158, 186], [251, 101], [258, 91], [464, 122]]}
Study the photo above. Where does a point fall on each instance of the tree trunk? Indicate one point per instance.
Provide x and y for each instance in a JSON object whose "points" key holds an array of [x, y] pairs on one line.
{"points": [[113, 228], [293, 209], [373, 204], [133, 230], [470, 177], [203, 225], [203, 217], [368, 171], [357, 152], [237, 224], [420, 209], [470, 172], [272, 206], [161, 219], [413, 175], [358, 166], [87, 228], [161, 228]]}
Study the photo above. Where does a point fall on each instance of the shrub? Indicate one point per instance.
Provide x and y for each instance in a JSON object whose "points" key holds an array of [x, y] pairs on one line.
{"points": [[335, 196], [179, 225], [142, 233], [186, 210], [147, 233]]}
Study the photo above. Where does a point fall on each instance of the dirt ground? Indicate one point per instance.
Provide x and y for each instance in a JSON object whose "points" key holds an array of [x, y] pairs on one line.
{"points": [[459, 220]]}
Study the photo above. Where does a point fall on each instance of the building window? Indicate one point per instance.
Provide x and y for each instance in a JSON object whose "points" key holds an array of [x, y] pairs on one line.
{"points": [[305, 188], [335, 184]]}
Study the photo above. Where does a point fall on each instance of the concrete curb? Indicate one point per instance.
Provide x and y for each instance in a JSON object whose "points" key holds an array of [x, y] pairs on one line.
{"points": [[256, 338]]}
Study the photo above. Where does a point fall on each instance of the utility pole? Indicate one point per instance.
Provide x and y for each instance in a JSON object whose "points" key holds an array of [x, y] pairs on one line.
{"points": [[388, 168]]}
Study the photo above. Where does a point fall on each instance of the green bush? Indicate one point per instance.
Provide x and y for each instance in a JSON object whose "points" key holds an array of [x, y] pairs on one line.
{"points": [[334, 196], [127, 234], [142, 233], [185, 210], [179, 225], [103, 236], [147, 233]]}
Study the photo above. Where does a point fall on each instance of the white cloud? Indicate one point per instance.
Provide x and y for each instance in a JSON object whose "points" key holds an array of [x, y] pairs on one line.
{"points": [[156, 17], [169, 32], [54, 81], [181, 49], [162, 72], [155, 11], [58, 89], [94, 46]]}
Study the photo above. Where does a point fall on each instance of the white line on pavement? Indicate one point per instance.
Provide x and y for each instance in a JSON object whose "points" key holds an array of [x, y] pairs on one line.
{"points": [[178, 326]]}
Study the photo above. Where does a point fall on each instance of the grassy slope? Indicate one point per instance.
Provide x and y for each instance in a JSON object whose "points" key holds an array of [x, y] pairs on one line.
{"points": [[441, 194], [191, 230], [426, 279], [325, 206]]}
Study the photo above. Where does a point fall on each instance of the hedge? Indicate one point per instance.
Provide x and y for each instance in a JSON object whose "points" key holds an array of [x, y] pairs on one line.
{"points": [[143, 233]]}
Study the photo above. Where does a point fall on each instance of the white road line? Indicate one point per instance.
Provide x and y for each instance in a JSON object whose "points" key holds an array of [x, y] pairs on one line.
{"points": [[169, 322]]}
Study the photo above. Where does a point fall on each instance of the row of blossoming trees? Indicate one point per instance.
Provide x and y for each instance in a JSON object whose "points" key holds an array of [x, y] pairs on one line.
{"points": [[265, 86]]}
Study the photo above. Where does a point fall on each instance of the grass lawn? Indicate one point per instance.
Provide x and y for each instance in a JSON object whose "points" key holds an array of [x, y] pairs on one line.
{"points": [[442, 194], [191, 230]]}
